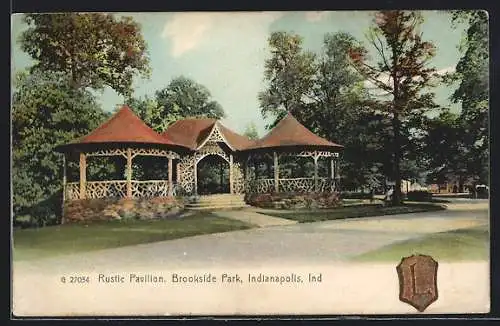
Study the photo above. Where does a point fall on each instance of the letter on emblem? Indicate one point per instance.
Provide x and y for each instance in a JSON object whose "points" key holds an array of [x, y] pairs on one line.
{"points": [[418, 281]]}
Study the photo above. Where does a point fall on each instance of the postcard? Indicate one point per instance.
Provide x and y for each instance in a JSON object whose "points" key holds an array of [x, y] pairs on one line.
{"points": [[250, 163]]}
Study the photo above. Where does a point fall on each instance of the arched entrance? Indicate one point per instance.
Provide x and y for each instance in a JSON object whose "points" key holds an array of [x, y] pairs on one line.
{"points": [[213, 175]]}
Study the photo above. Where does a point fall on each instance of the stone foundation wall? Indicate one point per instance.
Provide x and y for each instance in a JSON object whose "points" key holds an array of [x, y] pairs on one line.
{"points": [[294, 200], [122, 208]]}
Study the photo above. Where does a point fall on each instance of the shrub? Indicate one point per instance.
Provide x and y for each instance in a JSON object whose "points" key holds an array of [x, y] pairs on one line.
{"points": [[419, 195], [355, 195], [293, 200]]}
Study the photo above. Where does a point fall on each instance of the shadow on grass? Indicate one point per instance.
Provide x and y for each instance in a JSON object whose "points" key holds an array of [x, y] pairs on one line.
{"points": [[455, 245], [357, 211]]}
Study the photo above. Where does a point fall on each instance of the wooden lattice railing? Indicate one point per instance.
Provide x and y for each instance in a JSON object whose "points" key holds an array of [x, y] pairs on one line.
{"points": [[291, 185], [72, 190], [259, 186], [150, 188], [106, 189], [118, 189]]}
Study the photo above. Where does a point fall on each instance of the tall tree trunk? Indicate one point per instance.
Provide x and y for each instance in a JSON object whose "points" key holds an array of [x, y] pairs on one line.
{"points": [[396, 124]]}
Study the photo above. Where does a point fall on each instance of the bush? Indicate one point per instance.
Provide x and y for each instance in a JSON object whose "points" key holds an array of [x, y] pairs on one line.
{"points": [[420, 195], [293, 200], [355, 195]]}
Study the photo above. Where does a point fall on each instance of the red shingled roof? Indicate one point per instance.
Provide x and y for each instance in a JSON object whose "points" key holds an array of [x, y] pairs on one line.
{"points": [[290, 132], [124, 127], [193, 132]]}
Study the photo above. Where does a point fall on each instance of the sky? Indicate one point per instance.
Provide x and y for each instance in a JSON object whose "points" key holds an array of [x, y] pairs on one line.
{"points": [[226, 52]]}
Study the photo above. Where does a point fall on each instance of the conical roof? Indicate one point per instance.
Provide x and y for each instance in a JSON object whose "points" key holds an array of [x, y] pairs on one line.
{"points": [[123, 127], [290, 132]]}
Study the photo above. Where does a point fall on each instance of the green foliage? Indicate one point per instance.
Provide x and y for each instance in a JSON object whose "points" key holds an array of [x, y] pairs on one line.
{"points": [[46, 111], [182, 98], [94, 49], [251, 131], [444, 149], [290, 76], [472, 93]]}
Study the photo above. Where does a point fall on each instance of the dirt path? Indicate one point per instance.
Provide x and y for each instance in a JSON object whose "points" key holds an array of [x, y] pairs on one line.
{"points": [[261, 220]]}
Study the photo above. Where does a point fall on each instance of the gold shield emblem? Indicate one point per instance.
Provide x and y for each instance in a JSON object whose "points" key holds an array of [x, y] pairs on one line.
{"points": [[418, 281]]}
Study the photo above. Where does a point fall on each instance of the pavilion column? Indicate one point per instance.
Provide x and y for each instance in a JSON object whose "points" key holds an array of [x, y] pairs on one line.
{"points": [[276, 172], [336, 173], [221, 175], [129, 173], [64, 178], [231, 173], [195, 174], [170, 183], [83, 175], [332, 168], [315, 172]]}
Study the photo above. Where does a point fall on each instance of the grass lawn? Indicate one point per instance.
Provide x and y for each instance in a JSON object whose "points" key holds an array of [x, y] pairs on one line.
{"points": [[463, 244], [355, 211], [74, 238]]}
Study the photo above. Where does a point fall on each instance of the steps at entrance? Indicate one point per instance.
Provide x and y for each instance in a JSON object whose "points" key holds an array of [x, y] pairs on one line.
{"points": [[218, 201]]}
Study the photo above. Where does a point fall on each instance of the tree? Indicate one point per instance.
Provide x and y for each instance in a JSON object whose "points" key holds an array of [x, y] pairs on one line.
{"points": [[343, 112], [46, 111], [251, 131], [94, 49], [182, 98], [445, 149], [402, 72], [472, 93], [289, 74]]}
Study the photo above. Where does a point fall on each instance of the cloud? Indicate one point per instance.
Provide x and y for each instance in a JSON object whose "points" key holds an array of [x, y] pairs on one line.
{"points": [[187, 31], [315, 16]]}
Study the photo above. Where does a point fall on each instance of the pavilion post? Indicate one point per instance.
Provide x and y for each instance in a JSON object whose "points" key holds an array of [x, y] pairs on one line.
{"points": [[332, 168], [221, 175], [231, 173], [195, 174], [276, 172], [64, 179], [83, 175], [129, 173], [170, 183], [336, 173], [315, 172]]}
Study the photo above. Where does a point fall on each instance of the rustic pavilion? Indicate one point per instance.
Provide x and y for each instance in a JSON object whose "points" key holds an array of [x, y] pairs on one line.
{"points": [[188, 142]]}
